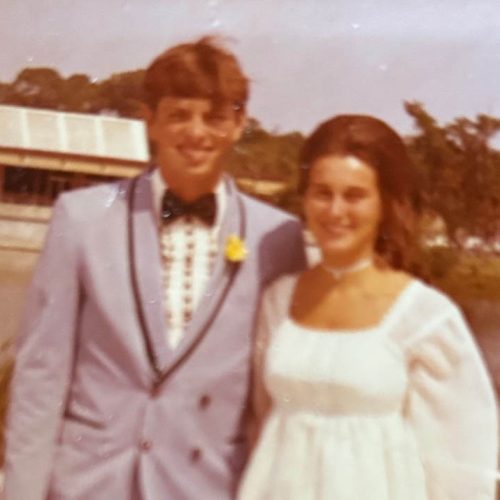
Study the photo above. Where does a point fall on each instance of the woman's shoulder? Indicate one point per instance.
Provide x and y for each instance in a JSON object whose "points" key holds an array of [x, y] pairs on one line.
{"points": [[420, 295], [426, 312], [433, 300]]}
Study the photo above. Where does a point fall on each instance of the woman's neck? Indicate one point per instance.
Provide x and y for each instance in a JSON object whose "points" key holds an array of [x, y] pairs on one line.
{"points": [[338, 272]]}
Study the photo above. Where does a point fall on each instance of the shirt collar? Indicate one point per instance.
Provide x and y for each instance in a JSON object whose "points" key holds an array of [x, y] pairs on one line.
{"points": [[159, 186]]}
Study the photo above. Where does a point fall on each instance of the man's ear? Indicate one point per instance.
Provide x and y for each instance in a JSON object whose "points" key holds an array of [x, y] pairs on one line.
{"points": [[147, 114], [241, 123]]}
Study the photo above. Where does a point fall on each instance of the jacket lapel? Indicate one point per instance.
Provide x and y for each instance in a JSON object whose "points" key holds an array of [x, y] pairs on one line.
{"points": [[146, 272], [233, 222]]}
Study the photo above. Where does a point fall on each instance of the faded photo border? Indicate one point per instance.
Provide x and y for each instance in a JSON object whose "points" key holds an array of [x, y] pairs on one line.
{"points": [[429, 70]]}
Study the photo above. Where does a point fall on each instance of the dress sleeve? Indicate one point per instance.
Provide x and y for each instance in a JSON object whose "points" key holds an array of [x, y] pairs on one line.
{"points": [[452, 408], [272, 308], [260, 399]]}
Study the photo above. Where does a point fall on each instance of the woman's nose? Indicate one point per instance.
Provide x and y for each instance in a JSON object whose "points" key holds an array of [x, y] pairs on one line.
{"points": [[336, 206]]}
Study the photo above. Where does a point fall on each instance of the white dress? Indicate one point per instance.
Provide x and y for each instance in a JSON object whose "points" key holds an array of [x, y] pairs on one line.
{"points": [[402, 411]]}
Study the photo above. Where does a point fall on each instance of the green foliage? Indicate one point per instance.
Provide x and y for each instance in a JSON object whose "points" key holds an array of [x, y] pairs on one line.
{"points": [[460, 173], [265, 156], [46, 88], [122, 93]]}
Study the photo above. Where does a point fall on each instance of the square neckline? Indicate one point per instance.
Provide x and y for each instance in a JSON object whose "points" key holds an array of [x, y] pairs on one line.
{"points": [[401, 300]]}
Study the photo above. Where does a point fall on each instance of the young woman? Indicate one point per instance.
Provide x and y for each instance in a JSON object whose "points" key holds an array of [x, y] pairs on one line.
{"points": [[368, 384]]}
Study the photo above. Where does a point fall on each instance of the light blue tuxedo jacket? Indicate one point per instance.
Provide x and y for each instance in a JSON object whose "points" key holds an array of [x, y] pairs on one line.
{"points": [[101, 407]]}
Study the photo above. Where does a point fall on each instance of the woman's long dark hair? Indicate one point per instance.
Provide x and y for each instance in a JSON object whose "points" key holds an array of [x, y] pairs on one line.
{"points": [[372, 141]]}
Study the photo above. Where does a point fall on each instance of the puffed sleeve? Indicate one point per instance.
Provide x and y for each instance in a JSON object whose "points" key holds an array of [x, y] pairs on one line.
{"points": [[273, 307], [452, 408], [267, 311]]}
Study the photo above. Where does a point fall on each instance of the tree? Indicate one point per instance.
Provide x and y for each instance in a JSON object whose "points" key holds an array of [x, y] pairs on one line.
{"points": [[262, 155], [459, 172], [78, 94], [121, 93], [46, 88], [37, 88]]}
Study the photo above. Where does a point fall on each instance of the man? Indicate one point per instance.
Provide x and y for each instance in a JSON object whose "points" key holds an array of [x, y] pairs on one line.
{"points": [[132, 369]]}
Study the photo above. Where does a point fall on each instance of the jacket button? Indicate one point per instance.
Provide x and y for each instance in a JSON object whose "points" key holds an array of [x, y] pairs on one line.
{"points": [[204, 401], [195, 454], [145, 445]]}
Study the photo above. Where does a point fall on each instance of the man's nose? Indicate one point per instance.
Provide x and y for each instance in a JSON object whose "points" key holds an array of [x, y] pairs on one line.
{"points": [[197, 126]]}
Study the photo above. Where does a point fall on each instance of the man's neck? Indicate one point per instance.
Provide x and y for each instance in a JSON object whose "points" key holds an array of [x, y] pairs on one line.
{"points": [[189, 190]]}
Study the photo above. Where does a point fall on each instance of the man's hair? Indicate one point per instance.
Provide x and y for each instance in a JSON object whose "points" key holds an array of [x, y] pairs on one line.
{"points": [[372, 141], [200, 69]]}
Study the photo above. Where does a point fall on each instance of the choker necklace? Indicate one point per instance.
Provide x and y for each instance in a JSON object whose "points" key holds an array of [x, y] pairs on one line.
{"points": [[337, 273]]}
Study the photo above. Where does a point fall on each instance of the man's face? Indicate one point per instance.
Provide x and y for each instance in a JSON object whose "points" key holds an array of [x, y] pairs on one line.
{"points": [[191, 135]]}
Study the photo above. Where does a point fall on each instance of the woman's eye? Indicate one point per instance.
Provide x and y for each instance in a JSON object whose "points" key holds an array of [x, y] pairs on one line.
{"points": [[320, 194], [355, 195]]}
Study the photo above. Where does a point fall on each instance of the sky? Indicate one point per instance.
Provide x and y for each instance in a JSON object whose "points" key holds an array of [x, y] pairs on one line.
{"points": [[307, 59]]}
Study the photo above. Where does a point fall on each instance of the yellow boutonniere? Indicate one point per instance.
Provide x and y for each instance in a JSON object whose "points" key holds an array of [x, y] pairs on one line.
{"points": [[235, 250]]}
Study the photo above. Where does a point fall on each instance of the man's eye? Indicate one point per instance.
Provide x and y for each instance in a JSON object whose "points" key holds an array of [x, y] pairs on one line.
{"points": [[177, 116], [215, 119]]}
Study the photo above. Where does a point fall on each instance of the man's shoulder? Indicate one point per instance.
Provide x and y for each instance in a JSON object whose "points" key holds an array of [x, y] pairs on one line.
{"points": [[265, 213], [94, 200], [278, 236]]}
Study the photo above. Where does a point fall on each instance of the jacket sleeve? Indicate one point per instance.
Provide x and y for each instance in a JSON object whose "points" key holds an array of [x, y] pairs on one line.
{"points": [[283, 251], [43, 366], [453, 412], [297, 250]]}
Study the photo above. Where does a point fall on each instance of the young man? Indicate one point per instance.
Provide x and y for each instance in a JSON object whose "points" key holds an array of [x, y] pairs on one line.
{"points": [[132, 369]]}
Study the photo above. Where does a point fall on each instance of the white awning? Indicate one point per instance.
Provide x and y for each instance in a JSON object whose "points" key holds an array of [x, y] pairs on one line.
{"points": [[92, 139]]}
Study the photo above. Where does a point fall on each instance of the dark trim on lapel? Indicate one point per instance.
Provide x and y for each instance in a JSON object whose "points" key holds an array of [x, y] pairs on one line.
{"points": [[230, 267], [135, 285]]}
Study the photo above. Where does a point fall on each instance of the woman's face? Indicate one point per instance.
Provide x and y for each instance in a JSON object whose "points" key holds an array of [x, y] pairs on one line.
{"points": [[343, 208]]}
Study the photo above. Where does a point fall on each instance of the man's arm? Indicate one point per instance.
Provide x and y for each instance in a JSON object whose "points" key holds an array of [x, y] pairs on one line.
{"points": [[43, 366], [283, 251]]}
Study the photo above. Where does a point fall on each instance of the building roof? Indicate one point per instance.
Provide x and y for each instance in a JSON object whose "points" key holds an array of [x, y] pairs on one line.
{"points": [[37, 131]]}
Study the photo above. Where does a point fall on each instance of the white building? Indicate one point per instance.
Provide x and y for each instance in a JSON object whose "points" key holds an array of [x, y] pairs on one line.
{"points": [[43, 153]]}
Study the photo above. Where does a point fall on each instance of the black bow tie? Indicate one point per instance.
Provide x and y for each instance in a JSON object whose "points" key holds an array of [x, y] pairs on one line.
{"points": [[204, 208]]}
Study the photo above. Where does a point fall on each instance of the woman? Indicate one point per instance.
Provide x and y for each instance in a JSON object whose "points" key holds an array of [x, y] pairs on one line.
{"points": [[368, 384]]}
